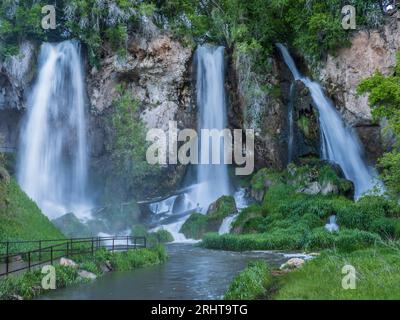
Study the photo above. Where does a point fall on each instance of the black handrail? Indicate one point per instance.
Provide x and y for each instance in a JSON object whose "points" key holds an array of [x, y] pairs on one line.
{"points": [[49, 254]]}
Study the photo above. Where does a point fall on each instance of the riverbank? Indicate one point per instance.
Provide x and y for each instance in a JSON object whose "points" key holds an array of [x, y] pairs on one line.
{"points": [[326, 277], [83, 269], [191, 272]]}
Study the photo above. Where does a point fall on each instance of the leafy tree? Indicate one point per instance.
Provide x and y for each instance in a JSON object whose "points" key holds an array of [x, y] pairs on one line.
{"points": [[128, 145], [384, 98]]}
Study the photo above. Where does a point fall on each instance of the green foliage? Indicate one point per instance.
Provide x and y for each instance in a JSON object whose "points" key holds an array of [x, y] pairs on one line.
{"points": [[196, 226], [19, 20], [128, 147], [21, 219], [384, 99], [378, 272], [252, 283]]}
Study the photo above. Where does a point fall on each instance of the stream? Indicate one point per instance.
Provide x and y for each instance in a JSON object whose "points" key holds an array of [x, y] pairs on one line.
{"points": [[191, 272]]}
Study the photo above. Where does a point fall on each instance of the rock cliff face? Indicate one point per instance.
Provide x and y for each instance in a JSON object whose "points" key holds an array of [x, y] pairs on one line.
{"points": [[16, 74], [157, 71], [251, 106], [369, 52]]}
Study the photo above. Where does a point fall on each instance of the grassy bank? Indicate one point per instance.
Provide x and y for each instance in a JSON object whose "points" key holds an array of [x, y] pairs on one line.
{"points": [[252, 283], [377, 277], [28, 285], [20, 217]]}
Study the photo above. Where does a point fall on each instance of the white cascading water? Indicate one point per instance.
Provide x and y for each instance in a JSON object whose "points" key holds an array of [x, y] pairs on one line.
{"points": [[212, 179], [290, 121], [339, 143], [52, 167]]}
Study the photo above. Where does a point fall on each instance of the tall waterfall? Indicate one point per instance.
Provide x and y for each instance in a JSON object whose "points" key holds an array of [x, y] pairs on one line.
{"points": [[339, 142], [212, 179], [52, 167], [290, 121]]}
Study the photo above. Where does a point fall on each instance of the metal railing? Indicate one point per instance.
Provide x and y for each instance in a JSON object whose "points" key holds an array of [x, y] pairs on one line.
{"points": [[49, 251]]}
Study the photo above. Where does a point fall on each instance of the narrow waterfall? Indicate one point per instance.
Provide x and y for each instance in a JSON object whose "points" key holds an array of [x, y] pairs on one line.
{"points": [[339, 143], [290, 121], [52, 166], [212, 179]]}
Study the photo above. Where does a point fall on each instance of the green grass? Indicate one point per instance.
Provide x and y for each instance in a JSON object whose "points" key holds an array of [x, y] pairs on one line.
{"points": [[252, 283], [293, 238], [20, 217], [28, 285], [377, 276]]}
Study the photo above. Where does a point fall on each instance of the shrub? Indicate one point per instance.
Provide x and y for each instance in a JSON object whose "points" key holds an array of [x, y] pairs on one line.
{"points": [[251, 283]]}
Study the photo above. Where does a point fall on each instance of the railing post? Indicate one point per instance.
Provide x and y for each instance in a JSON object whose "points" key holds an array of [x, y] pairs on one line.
{"points": [[134, 242], [127, 242], [145, 242], [67, 249], [72, 252], [51, 254], [7, 252], [40, 251], [29, 260], [113, 245], [92, 245]]}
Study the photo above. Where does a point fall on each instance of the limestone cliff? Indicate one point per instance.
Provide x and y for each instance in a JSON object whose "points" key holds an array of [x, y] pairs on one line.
{"points": [[369, 51], [156, 70]]}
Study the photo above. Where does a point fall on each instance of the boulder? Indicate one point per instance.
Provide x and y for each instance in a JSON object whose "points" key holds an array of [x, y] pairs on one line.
{"points": [[292, 263], [68, 263], [222, 207], [71, 226], [329, 188], [311, 188], [87, 275]]}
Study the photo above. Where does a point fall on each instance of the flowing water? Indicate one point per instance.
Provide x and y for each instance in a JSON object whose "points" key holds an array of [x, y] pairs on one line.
{"points": [[212, 179], [190, 273], [339, 143], [290, 121], [52, 167]]}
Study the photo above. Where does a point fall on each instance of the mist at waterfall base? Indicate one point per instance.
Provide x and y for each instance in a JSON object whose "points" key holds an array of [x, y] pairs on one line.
{"points": [[339, 143], [211, 180], [52, 164]]}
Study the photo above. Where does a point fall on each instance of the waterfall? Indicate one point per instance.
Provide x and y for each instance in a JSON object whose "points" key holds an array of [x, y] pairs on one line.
{"points": [[212, 179], [290, 121], [339, 143], [52, 166]]}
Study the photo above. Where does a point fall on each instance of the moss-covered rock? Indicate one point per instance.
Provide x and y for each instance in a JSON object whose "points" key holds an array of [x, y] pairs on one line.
{"points": [[196, 226], [199, 224], [223, 207], [71, 226], [262, 181]]}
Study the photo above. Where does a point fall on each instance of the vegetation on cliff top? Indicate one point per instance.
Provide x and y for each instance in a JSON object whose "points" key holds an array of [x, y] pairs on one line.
{"points": [[384, 99]]}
